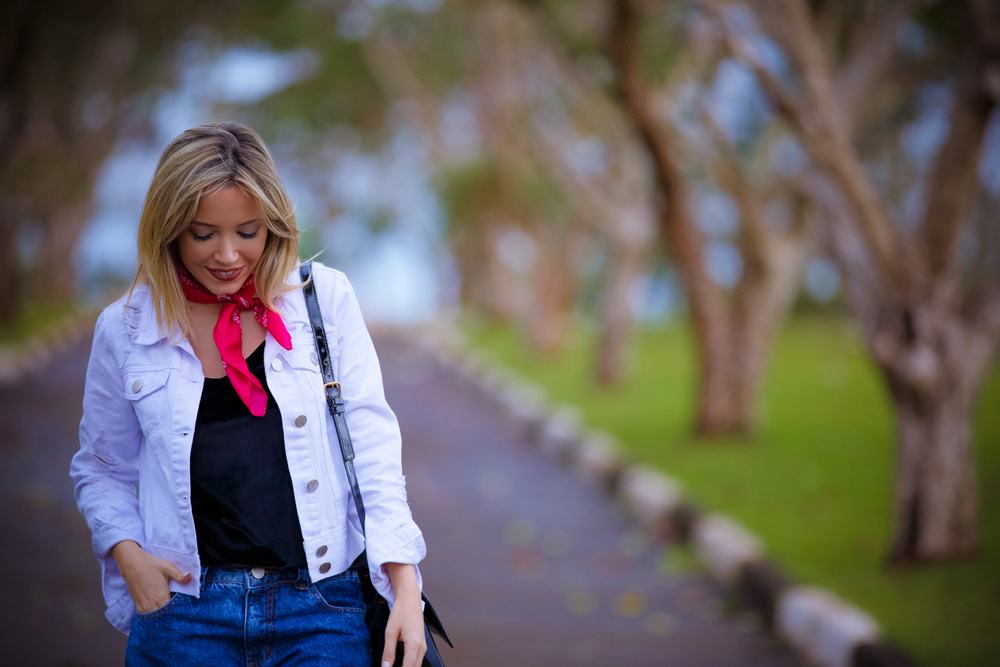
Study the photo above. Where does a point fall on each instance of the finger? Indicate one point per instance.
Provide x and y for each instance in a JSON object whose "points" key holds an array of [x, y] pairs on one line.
{"points": [[413, 651], [175, 573], [389, 652]]}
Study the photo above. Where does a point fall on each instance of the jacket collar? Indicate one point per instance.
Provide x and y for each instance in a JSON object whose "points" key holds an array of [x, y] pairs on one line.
{"points": [[140, 315]]}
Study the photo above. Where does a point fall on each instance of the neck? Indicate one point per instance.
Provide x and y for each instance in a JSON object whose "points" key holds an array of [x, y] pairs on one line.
{"points": [[196, 308]]}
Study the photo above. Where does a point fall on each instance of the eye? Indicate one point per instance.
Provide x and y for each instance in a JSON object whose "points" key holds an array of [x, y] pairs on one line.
{"points": [[248, 235], [204, 237]]}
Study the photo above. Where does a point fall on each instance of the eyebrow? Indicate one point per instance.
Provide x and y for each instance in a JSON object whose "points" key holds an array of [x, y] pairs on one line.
{"points": [[205, 224]]}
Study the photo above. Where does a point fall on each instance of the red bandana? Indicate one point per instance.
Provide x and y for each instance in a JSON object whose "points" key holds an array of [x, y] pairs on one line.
{"points": [[228, 334]]}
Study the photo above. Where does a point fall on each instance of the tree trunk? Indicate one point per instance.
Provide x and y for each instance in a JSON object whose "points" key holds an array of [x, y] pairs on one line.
{"points": [[773, 273], [715, 415], [935, 492], [935, 366], [55, 278], [553, 293], [616, 316], [10, 274]]}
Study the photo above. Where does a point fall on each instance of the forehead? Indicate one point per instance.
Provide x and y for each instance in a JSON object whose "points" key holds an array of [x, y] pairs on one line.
{"points": [[227, 206]]}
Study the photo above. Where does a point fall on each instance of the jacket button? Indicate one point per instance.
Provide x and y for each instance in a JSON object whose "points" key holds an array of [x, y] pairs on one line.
{"points": [[136, 386], [300, 421], [324, 568], [277, 365], [312, 486], [321, 552]]}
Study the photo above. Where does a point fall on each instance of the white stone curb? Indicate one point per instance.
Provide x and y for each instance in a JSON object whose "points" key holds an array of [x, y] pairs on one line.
{"points": [[649, 495], [560, 432], [824, 627], [725, 546], [827, 631], [598, 458]]}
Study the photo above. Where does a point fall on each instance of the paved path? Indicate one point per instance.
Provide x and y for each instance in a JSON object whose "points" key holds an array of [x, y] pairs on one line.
{"points": [[527, 564]]}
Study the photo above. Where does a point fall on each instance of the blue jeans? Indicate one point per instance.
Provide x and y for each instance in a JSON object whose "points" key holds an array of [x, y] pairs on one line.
{"points": [[256, 617]]}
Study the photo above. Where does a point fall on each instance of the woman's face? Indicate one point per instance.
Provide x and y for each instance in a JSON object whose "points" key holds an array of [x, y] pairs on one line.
{"points": [[224, 242]]}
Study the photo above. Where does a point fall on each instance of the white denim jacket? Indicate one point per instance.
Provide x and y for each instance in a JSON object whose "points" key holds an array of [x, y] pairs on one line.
{"points": [[140, 402]]}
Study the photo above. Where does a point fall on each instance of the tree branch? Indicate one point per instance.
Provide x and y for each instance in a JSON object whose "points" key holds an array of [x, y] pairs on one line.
{"points": [[822, 126], [676, 223], [872, 52], [784, 100], [955, 172], [727, 170]]}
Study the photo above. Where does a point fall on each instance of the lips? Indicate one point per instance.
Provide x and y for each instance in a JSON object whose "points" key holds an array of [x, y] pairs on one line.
{"points": [[226, 276]]}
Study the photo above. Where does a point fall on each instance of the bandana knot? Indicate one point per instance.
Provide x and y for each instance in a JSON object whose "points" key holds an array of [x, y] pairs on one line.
{"points": [[228, 333]]}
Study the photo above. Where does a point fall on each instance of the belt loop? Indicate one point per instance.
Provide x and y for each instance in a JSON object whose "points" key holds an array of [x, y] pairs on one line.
{"points": [[202, 576], [303, 580]]}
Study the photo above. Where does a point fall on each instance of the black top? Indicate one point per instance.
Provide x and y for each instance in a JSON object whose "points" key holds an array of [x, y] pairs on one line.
{"points": [[241, 491]]}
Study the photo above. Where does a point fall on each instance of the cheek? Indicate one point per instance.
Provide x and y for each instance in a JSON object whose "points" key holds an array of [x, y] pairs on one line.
{"points": [[190, 251], [254, 251]]}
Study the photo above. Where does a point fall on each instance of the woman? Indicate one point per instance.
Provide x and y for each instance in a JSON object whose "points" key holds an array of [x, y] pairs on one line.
{"points": [[222, 521]]}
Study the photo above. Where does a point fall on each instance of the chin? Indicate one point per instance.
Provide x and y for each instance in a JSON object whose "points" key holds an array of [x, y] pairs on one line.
{"points": [[224, 291]]}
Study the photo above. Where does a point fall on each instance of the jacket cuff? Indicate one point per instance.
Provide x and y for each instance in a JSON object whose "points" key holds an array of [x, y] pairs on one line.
{"points": [[409, 552], [105, 536]]}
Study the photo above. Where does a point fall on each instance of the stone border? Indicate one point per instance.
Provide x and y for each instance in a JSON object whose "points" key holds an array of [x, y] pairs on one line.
{"points": [[28, 356], [824, 629]]}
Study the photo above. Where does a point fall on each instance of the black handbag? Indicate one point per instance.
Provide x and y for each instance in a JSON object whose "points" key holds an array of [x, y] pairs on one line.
{"points": [[376, 606]]}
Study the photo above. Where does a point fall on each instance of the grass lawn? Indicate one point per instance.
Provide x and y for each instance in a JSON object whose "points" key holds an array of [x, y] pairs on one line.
{"points": [[34, 318], [814, 482]]}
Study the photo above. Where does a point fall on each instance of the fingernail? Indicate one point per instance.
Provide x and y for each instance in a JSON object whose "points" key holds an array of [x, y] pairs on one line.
{"points": [[386, 663]]}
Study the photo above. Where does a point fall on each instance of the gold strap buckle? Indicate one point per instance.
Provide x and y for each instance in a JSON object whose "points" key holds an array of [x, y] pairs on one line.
{"points": [[332, 385]]}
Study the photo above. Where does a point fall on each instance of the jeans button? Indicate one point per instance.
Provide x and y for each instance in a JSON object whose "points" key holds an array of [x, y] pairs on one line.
{"points": [[257, 572]]}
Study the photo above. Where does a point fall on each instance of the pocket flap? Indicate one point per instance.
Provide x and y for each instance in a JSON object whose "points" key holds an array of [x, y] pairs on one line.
{"points": [[139, 383]]}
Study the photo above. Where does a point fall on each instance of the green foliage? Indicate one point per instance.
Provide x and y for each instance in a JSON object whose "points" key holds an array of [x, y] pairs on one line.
{"points": [[465, 190], [441, 52], [378, 220], [478, 188], [815, 482], [340, 93], [34, 318]]}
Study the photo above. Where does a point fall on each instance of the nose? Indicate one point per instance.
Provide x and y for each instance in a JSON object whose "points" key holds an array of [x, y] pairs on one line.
{"points": [[225, 253]]}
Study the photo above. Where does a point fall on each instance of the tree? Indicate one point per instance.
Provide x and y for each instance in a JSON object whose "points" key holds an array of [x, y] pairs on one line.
{"points": [[733, 330], [929, 314]]}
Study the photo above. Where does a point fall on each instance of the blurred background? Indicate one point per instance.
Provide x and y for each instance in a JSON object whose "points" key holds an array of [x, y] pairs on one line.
{"points": [[757, 242]]}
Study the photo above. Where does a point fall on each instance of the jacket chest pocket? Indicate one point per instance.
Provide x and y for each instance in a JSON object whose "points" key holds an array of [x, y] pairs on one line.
{"points": [[146, 390], [304, 355]]}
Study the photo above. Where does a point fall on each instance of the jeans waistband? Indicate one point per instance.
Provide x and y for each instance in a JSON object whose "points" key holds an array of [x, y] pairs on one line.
{"points": [[254, 577]]}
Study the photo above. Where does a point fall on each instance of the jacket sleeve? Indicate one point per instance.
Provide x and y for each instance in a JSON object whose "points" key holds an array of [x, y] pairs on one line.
{"points": [[392, 536], [105, 469]]}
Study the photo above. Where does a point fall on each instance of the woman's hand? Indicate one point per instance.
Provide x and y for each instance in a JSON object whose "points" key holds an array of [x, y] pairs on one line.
{"points": [[406, 619], [146, 575]]}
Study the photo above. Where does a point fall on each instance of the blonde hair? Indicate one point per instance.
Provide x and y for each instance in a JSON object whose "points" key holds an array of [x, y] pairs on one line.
{"points": [[197, 163]]}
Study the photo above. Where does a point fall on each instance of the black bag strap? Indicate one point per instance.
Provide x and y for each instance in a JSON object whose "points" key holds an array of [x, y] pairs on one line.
{"points": [[335, 403], [331, 388]]}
